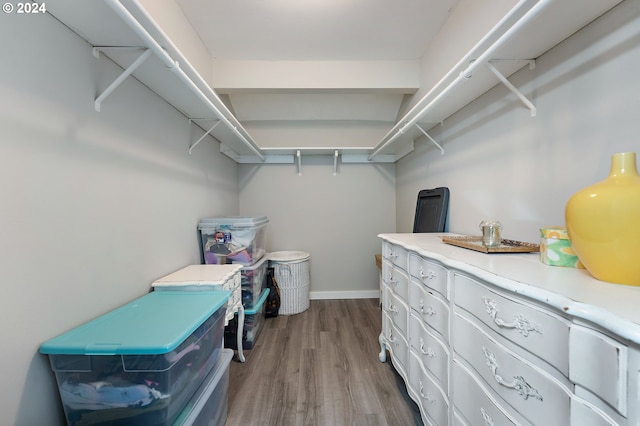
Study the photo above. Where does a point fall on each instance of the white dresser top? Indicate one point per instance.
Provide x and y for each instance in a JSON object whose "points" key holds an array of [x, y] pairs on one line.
{"points": [[574, 291], [199, 275]]}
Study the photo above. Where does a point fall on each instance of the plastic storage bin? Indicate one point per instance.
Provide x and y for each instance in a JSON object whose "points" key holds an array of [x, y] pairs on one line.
{"points": [[140, 363], [208, 406], [253, 282], [253, 323], [233, 239]]}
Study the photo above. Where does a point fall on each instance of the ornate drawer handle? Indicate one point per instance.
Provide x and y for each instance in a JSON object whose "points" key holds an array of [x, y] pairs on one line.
{"points": [[393, 340], [392, 309], [392, 279], [431, 275], [488, 421], [429, 352], [518, 383], [520, 322], [428, 311], [391, 337], [392, 255], [428, 396]]}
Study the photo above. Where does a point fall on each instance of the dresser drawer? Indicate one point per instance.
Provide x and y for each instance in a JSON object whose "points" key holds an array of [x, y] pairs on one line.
{"points": [[429, 273], [396, 280], [599, 364], [530, 391], [430, 397], [398, 347], [582, 414], [395, 254], [430, 308], [474, 404], [539, 331], [397, 310], [430, 351]]}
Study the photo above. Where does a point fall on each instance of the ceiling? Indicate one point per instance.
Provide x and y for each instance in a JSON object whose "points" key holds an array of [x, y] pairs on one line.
{"points": [[313, 30], [310, 70]]}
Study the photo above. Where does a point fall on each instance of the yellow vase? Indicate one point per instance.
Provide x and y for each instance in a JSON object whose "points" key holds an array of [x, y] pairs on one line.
{"points": [[603, 223]]}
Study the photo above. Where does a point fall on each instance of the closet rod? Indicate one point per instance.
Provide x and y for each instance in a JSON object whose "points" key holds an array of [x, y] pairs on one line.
{"points": [[403, 125], [174, 66]]}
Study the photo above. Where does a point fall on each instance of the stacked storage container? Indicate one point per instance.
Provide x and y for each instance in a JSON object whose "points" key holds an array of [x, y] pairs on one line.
{"points": [[209, 404], [233, 240], [254, 319], [240, 240], [253, 279], [140, 363]]}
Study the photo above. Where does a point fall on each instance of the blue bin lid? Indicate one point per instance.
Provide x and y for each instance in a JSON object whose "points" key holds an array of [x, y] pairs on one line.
{"points": [[153, 324], [257, 306]]}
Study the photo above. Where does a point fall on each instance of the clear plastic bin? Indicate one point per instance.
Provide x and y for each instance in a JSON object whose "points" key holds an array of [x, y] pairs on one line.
{"points": [[233, 240], [208, 406], [140, 363], [253, 282], [253, 324]]}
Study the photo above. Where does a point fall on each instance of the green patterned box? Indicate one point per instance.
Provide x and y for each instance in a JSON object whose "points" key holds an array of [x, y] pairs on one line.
{"points": [[555, 248]]}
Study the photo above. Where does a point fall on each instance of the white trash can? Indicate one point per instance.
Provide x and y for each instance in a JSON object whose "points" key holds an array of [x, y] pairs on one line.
{"points": [[292, 273]]}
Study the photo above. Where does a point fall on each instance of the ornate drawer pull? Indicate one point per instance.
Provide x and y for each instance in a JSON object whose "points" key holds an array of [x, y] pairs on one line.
{"points": [[392, 309], [392, 255], [428, 396], [392, 279], [428, 311], [429, 352], [488, 421], [431, 275], [391, 338], [518, 383], [520, 323]]}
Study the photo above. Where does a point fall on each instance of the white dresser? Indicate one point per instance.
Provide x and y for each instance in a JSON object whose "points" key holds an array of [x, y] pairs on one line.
{"points": [[210, 277], [503, 339]]}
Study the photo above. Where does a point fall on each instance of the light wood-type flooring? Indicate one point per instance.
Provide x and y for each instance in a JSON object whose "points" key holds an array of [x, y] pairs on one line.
{"points": [[319, 367]]}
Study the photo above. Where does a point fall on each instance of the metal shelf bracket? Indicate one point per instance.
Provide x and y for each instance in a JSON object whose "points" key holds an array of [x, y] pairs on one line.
{"points": [[194, 144], [299, 161], [513, 88], [430, 138], [126, 73], [335, 162]]}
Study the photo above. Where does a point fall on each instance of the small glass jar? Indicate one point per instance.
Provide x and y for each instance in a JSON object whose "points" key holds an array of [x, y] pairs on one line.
{"points": [[491, 233]]}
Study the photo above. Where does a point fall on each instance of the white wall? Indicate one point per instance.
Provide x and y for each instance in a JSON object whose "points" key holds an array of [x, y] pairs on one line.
{"points": [[500, 163], [334, 218], [95, 206]]}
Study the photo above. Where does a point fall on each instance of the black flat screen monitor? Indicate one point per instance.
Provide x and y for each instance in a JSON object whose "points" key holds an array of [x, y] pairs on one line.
{"points": [[431, 210]]}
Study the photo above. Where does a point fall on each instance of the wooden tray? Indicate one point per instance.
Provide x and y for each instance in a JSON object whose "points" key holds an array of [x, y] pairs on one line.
{"points": [[506, 246]]}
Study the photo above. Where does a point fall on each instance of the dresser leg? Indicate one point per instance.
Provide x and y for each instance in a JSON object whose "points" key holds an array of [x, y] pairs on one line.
{"points": [[240, 332], [382, 356]]}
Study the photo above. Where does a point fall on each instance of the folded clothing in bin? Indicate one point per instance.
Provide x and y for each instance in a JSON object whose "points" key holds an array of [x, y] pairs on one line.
{"points": [[140, 363]]}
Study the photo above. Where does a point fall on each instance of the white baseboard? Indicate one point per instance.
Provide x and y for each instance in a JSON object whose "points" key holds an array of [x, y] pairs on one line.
{"points": [[325, 295]]}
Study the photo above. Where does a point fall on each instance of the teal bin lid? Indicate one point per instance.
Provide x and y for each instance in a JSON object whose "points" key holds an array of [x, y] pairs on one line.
{"points": [[153, 324], [256, 308]]}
